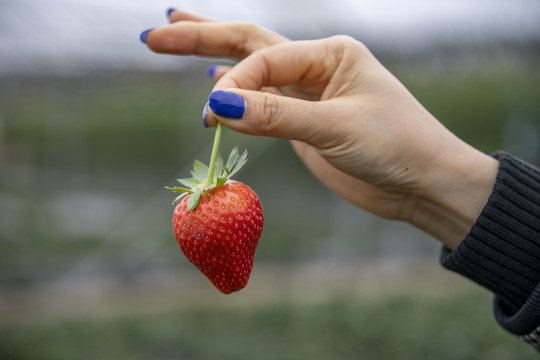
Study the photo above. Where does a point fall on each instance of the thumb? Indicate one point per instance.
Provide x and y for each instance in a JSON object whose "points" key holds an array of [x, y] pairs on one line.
{"points": [[266, 114]]}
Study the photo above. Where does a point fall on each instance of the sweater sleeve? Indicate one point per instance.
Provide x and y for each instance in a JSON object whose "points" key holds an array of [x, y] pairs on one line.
{"points": [[502, 250]]}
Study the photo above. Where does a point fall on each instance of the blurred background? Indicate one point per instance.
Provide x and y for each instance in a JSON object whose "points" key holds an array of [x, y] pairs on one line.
{"points": [[93, 125]]}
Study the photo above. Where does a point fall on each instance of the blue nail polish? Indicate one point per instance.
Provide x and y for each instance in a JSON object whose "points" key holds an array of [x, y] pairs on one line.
{"points": [[169, 12], [204, 115], [211, 70], [227, 104], [144, 34]]}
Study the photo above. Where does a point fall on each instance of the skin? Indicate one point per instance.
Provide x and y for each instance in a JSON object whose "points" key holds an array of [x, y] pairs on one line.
{"points": [[353, 124]]}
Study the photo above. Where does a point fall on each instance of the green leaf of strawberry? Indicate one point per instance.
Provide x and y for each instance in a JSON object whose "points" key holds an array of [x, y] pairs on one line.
{"points": [[201, 177], [190, 182], [193, 200], [200, 171]]}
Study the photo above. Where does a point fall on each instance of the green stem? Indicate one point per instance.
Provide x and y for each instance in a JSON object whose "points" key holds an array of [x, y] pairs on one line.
{"points": [[213, 158]]}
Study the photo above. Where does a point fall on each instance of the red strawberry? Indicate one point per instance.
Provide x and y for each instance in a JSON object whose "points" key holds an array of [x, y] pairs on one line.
{"points": [[220, 236], [218, 222]]}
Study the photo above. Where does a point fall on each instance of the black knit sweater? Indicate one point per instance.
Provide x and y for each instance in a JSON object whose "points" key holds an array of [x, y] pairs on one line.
{"points": [[502, 250]]}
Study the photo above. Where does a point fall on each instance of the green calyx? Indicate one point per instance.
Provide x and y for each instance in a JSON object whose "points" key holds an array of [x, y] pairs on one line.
{"points": [[208, 177]]}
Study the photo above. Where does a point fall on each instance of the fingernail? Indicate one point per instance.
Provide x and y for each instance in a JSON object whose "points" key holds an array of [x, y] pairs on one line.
{"points": [[169, 12], [227, 104], [211, 70], [204, 115], [144, 34]]}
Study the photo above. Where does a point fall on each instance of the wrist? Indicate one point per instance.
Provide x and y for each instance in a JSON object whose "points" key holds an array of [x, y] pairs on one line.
{"points": [[457, 186]]}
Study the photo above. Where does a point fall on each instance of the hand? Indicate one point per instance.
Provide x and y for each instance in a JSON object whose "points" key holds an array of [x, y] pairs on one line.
{"points": [[354, 125]]}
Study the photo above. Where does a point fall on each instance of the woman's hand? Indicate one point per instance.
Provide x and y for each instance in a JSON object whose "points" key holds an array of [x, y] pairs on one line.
{"points": [[354, 125]]}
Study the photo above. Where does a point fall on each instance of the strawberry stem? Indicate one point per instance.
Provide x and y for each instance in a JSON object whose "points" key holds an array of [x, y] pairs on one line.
{"points": [[213, 158]]}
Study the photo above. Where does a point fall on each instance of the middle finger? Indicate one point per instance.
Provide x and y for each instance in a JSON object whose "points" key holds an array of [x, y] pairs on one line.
{"points": [[208, 38]]}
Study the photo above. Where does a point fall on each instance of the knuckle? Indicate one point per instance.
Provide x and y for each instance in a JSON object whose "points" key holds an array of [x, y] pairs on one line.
{"points": [[248, 26], [346, 41], [270, 114], [243, 38], [344, 47]]}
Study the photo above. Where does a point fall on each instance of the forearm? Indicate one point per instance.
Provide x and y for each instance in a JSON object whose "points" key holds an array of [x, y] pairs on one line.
{"points": [[457, 184]]}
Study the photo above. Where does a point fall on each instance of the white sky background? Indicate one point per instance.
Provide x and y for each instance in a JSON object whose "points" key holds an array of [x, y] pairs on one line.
{"points": [[69, 34]]}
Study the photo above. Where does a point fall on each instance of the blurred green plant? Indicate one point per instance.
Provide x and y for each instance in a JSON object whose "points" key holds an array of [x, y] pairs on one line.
{"points": [[400, 328]]}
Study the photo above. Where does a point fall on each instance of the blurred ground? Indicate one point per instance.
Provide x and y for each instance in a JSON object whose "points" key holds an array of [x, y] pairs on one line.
{"points": [[162, 291]]}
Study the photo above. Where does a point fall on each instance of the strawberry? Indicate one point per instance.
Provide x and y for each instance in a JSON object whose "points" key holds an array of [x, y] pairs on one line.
{"points": [[218, 221], [220, 236]]}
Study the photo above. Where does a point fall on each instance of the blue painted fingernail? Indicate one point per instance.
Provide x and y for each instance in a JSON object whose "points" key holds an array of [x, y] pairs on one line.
{"points": [[211, 71], [227, 104], [169, 12], [144, 34], [204, 115]]}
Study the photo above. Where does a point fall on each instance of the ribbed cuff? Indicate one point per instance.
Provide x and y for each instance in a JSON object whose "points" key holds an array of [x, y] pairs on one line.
{"points": [[502, 250]]}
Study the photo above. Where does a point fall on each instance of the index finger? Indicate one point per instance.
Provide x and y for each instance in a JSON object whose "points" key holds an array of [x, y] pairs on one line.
{"points": [[310, 63]]}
